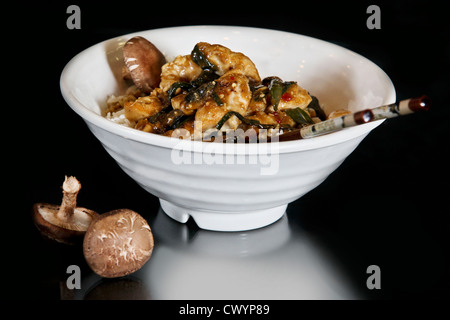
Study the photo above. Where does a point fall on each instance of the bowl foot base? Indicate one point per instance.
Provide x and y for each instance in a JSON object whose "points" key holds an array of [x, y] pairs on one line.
{"points": [[223, 220]]}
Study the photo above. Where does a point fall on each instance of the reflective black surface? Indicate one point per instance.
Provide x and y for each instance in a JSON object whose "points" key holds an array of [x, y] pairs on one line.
{"points": [[386, 205]]}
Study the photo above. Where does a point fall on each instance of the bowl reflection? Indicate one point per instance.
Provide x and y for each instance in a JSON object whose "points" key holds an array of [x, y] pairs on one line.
{"points": [[279, 261]]}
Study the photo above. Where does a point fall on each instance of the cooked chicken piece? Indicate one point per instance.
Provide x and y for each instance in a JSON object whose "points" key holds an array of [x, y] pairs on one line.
{"points": [[182, 68], [143, 107], [225, 60], [338, 113], [294, 97], [233, 91], [208, 116]]}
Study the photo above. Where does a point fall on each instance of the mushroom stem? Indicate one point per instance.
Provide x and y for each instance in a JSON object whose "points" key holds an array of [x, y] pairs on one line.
{"points": [[71, 187]]}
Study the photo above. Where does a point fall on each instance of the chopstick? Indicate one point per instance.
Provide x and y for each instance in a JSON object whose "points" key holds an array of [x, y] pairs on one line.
{"points": [[404, 107]]}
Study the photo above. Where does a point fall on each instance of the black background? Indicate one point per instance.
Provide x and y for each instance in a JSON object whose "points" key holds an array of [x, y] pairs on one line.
{"points": [[386, 205]]}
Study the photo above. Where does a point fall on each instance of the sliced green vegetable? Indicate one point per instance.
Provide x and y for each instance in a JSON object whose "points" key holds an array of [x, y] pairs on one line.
{"points": [[224, 119], [276, 89], [250, 122], [266, 81], [314, 104], [175, 86], [199, 58], [217, 99], [201, 92], [287, 84], [207, 75], [180, 120], [299, 116], [259, 94], [156, 117], [169, 118]]}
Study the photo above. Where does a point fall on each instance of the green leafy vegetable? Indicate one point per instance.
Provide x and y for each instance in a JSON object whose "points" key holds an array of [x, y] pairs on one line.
{"points": [[207, 75], [199, 58], [180, 120], [299, 116], [217, 99], [276, 89], [175, 86], [314, 104], [158, 116], [201, 92], [250, 122]]}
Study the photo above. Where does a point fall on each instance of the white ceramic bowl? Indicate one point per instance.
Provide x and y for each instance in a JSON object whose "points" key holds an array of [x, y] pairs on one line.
{"points": [[230, 187]]}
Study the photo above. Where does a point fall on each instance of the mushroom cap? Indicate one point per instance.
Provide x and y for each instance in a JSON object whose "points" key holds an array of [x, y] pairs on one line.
{"points": [[144, 61], [118, 243], [69, 232]]}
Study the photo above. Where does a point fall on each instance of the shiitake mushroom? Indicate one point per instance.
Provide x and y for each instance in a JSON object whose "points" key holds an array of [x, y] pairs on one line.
{"points": [[65, 223], [115, 244], [118, 243], [144, 62]]}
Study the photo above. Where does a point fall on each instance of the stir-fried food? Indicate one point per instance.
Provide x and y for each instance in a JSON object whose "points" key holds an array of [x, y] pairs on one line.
{"points": [[215, 89]]}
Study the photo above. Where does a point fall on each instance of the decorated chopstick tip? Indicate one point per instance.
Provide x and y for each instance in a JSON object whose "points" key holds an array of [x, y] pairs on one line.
{"points": [[422, 103], [392, 110]]}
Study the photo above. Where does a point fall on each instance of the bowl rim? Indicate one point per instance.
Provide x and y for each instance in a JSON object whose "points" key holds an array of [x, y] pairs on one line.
{"points": [[93, 118]]}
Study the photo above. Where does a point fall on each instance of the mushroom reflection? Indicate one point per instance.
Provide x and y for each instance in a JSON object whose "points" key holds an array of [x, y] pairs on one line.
{"points": [[127, 288]]}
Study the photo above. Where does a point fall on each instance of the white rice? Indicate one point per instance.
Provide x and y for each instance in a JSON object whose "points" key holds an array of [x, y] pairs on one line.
{"points": [[119, 118]]}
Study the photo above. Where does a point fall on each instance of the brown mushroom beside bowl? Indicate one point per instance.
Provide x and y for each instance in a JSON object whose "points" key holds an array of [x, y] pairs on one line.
{"points": [[118, 243], [65, 223]]}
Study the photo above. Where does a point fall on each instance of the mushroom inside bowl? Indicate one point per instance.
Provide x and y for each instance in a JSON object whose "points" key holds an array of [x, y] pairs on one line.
{"points": [[223, 186]]}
